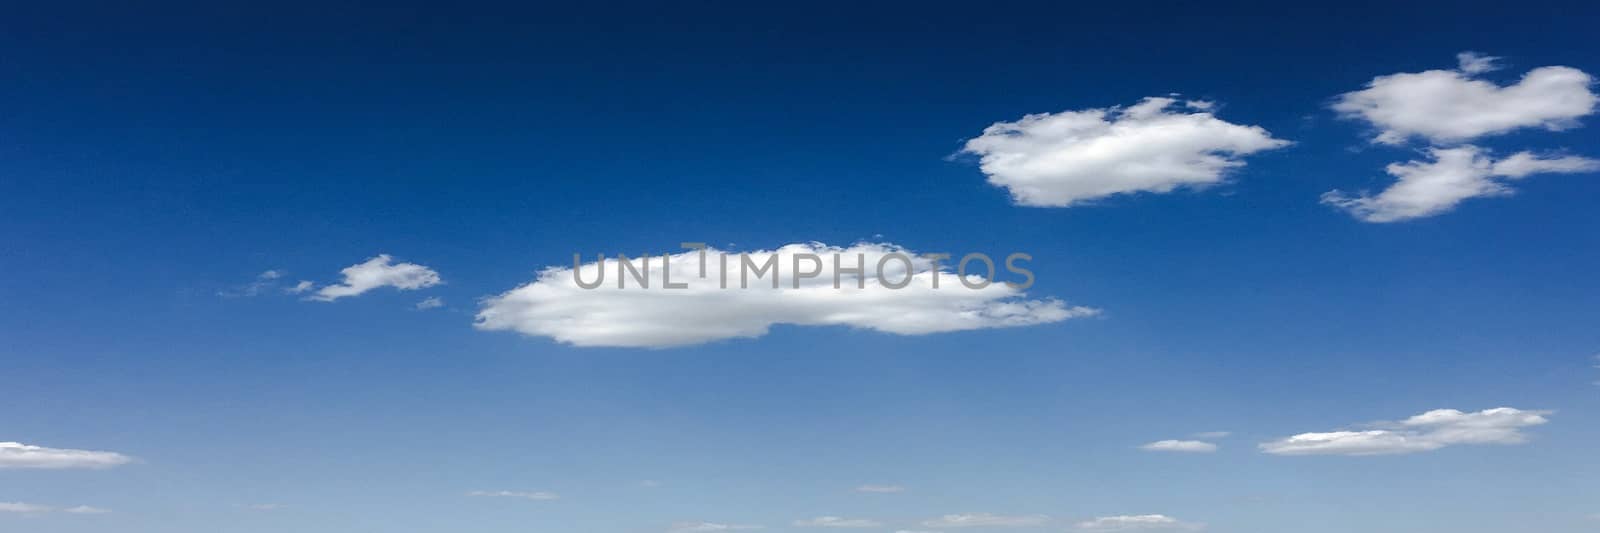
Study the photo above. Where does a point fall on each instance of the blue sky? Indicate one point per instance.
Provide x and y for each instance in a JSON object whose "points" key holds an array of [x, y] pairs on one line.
{"points": [[156, 163]]}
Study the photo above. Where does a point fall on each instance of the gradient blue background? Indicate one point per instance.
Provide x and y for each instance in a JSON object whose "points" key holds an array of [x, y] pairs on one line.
{"points": [[151, 157]]}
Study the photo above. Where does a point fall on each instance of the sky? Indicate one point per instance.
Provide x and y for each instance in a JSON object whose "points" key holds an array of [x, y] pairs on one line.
{"points": [[1310, 268]]}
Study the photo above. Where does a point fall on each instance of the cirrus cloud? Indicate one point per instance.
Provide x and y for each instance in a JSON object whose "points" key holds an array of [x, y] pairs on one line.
{"points": [[1157, 145], [835, 521], [933, 299], [987, 520], [1186, 446], [1149, 522]]}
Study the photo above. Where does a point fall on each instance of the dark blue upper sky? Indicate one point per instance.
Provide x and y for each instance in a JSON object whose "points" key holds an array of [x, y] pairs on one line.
{"points": [[152, 158]]}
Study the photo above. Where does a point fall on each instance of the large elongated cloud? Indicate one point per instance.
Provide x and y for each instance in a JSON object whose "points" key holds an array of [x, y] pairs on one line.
{"points": [[380, 271], [1426, 188], [1148, 522], [1062, 159], [1422, 433], [1452, 106], [19, 455], [986, 520], [554, 305]]}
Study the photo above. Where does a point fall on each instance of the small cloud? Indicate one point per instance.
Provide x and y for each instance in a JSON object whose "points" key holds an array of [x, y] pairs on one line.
{"points": [[84, 509], [264, 282], [1422, 433], [986, 520], [264, 506], [1476, 63], [1186, 446], [377, 272], [430, 303], [1147, 522], [512, 494], [298, 288], [834, 521], [700, 527], [880, 489], [24, 508], [19, 455]]}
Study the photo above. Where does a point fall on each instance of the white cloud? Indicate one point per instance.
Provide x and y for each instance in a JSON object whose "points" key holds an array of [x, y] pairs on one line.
{"points": [[1137, 523], [834, 521], [264, 281], [298, 288], [513, 494], [1062, 159], [1187, 446], [430, 303], [554, 306], [24, 508], [1426, 188], [1425, 432], [1451, 106], [881, 489], [699, 527], [29, 508], [986, 520], [379, 272], [19, 455]]}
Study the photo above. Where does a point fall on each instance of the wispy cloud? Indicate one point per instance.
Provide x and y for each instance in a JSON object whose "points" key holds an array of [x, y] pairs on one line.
{"points": [[986, 520], [1186, 446], [835, 521], [880, 489], [541, 495], [378, 272], [703, 527], [1149, 522], [19, 455], [1422, 433], [30, 508]]}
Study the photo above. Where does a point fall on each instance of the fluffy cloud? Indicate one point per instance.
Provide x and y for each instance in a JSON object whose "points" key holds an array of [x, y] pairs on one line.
{"points": [[512, 494], [1425, 432], [430, 303], [1426, 188], [1062, 159], [376, 273], [1147, 522], [1452, 106], [29, 508], [19, 455], [1188, 446], [932, 300], [699, 527], [834, 521], [986, 520], [881, 489]]}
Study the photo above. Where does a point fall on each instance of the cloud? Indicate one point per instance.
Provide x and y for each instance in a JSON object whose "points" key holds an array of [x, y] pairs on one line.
{"points": [[1427, 188], [263, 282], [1147, 522], [698, 527], [986, 520], [24, 508], [1452, 106], [19, 455], [512, 494], [379, 272], [554, 306], [1187, 446], [430, 303], [1422, 433], [880, 489], [298, 288], [1063, 159], [834, 521], [29, 508]]}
